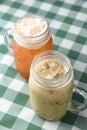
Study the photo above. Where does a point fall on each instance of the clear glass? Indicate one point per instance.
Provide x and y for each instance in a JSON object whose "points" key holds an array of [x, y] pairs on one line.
{"points": [[51, 98], [25, 48]]}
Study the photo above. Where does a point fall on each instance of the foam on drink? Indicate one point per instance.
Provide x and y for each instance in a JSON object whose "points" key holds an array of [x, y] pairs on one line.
{"points": [[31, 26]]}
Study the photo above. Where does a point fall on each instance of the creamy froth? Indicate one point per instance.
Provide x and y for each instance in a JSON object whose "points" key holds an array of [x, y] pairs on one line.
{"points": [[31, 26]]}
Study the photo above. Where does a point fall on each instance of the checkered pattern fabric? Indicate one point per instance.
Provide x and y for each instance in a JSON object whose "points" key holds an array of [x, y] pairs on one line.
{"points": [[68, 23]]}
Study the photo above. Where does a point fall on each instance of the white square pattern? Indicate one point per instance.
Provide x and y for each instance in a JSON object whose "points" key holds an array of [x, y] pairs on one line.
{"points": [[75, 128], [1, 75], [4, 105], [16, 85], [74, 29], [4, 8], [67, 44], [26, 114], [70, 1], [51, 125], [9, 25], [79, 66], [85, 4], [7, 60], [45, 6], [55, 24], [20, 13], [84, 50], [63, 12], [82, 17], [28, 2]]}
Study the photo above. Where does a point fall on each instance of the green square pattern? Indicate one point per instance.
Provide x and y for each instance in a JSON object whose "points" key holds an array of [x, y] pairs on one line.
{"points": [[7, 17], [68, 22], [81, 39], [33, 127], [16, 5], [61, 33], [21, 99], [73, 54], [1, 1], [2, 90], [76, 8], [69, 118], [50, 15], [11, 72], [32, 10], [8, 120], [85, 25], [58, 3], [84, 78], [3, 49]]}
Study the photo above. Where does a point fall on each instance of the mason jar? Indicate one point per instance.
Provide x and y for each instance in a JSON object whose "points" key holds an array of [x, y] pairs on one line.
{"points": [[31, 35], [51, 86]]}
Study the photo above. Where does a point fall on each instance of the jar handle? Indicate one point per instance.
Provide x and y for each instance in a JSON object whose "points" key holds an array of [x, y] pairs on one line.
{"points": [[75, 105], [8, 34]]}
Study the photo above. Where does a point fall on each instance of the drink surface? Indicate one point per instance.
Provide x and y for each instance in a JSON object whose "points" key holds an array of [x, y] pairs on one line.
{"points": [[51, 69], [32, 26]]}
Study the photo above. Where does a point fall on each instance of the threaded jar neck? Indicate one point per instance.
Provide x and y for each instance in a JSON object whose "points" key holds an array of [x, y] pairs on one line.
{"points": [[55, 82], [34, 41]]}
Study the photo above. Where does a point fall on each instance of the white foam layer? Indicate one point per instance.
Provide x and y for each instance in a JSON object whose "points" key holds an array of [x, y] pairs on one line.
{"points": [[31, 26]]}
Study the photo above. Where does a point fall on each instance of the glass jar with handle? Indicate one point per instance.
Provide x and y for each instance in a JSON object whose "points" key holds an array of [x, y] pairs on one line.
{"points": [[51, 86], [31, 35]]}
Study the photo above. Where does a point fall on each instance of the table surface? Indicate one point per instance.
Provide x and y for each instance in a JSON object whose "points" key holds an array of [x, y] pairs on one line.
{"points": [[68, 23]]}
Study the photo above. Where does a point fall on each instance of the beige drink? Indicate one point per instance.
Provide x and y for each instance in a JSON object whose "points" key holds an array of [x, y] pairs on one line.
{"points": [[51, 97]]}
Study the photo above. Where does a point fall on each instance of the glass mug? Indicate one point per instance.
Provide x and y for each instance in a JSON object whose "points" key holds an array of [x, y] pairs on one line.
{"points": [[51, 86], [31, 35]]}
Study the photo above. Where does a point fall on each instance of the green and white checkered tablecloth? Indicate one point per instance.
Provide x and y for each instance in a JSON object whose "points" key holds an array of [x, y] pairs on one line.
{"points": [[68, 22]]}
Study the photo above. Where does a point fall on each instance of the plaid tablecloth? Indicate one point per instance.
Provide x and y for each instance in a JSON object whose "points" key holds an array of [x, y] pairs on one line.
{"points": [[68, 22]]}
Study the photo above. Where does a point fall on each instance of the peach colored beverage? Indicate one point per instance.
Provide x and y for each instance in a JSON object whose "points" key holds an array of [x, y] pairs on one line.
{"points": [[24, 56], [31, 35], [34, 32]]}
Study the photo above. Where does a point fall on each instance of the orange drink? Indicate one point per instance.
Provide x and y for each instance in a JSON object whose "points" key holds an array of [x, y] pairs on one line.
{"points": [[31, 35], [24, 56]]}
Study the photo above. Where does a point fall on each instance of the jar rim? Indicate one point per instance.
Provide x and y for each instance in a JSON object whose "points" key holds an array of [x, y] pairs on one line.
{"points": [[54, 80], [32, 42]]}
